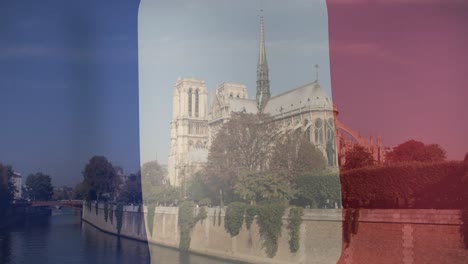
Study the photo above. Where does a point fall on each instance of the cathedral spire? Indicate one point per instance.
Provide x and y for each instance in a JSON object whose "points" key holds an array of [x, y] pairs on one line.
{"points": [[263, 82]]}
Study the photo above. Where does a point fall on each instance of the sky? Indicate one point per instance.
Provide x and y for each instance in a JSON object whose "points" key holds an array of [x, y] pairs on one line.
{"points": [[69, 85], [84, 78], [400, 68], [218, 41]]}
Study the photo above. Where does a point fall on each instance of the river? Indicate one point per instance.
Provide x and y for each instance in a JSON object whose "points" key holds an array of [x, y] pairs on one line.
{"points": [[63, 238]]}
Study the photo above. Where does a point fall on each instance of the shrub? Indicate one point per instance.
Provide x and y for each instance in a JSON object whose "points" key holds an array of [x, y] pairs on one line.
{"points": [[118, 216], [294, 225], [234, 218], [187, 221], [111, 214], [150, 218], [250, 213], [106, 211], [270, 221]]}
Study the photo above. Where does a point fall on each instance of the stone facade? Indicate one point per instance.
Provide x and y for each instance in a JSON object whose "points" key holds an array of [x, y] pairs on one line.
{"points": [[189, 129], [308, 108]]}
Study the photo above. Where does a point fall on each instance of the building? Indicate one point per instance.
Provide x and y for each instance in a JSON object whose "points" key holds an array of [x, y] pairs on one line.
{"points": [[17, 181], [195, 123]]}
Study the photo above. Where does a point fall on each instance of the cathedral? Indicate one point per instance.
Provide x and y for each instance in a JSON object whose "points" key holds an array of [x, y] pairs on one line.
{"points": [[196, 118]]}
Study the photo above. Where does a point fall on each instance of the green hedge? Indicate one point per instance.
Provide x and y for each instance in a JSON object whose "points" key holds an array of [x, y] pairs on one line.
{"points": [[440, 185]]}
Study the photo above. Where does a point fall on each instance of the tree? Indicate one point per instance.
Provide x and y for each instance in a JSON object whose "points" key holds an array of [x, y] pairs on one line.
{"points": [[156, 188], [6, 188], [131, 191], [294, 156], [197, 189], [256, 187], [40, 186], [243, 144], [62, 193], [318, 191], [80, 191], [413, 150], [358, 157], [100, 178]]}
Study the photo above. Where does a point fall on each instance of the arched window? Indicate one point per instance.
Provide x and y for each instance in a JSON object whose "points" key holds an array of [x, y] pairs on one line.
{"points": [[197, 102], [318, 131], [307, 134], [190, 102]]}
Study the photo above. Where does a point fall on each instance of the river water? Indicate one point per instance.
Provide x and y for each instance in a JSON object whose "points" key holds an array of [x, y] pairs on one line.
{"points": [[63, 238]]}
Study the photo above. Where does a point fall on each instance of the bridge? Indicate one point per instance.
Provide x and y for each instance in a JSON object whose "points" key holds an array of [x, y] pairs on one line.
{"points": [[74, 204]]}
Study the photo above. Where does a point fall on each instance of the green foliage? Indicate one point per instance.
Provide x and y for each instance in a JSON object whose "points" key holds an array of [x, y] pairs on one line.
{"points": [[150, 218], [106, 211], [40, 186], [88, 205], [187, 220], [80, 192], [242, 143], [358, 157], [295, 155], [250, 213], [6, 189], [234, 218], [155, 189], [198, 191], [269, 220], [294, 225], [205, 202], [118, 216], [413, 150], [316, 190], [111, 214], [100, 177], [131, 192], [407, 185], [255, 187], [202, 214]]}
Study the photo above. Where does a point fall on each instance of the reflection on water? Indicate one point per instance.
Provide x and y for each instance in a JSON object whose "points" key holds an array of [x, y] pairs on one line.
{"points": [[63, 238]]}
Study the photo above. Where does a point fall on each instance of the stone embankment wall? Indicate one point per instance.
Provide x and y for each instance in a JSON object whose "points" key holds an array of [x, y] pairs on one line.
{"points": [[383, 236], [407, 237], [320, 239]]}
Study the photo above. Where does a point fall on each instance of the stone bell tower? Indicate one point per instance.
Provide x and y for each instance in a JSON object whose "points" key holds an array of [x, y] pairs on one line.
{"points": [[189, 125]]}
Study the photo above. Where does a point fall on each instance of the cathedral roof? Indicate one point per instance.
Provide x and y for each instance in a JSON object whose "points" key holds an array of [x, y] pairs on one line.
{"points": [[242, 105], [311, 96]]}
